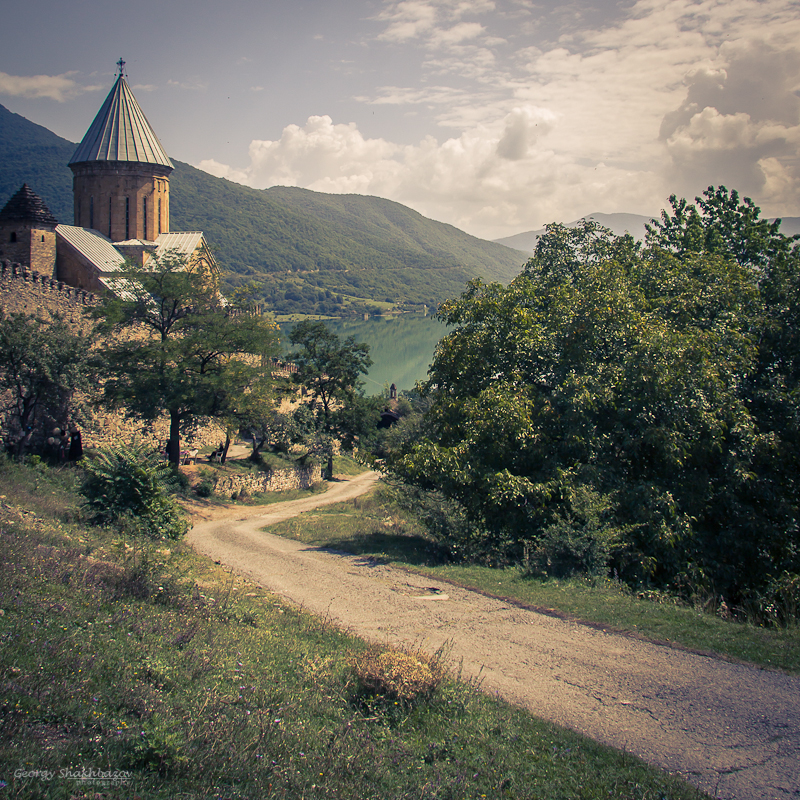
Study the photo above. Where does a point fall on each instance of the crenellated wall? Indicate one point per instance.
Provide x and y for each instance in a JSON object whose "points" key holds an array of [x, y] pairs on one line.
{"points": [[23, 291]]}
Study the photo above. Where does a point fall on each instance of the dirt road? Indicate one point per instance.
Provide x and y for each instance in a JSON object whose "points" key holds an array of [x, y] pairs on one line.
{"points": [[732, 730]]}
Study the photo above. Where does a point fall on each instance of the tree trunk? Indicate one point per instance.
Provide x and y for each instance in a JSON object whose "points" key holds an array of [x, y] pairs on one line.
{"points": [[174, 445], [224, 454], [330, 465]]}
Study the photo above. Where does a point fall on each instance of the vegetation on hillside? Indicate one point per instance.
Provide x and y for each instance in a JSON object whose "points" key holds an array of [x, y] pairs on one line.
{"points": [[307, 251], [147, 671], [34, 155], [626, 408]]}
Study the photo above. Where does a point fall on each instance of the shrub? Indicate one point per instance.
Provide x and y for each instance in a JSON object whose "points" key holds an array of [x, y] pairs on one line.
{"points": [[204, 489], [581, 542], [129, 482]]}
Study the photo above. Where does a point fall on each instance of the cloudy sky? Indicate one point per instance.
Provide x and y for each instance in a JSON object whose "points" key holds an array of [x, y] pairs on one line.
{"points": [[496, 116]]}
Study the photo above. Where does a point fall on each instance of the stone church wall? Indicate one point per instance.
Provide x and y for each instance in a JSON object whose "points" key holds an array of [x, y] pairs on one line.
{"points": [[271, 481]]}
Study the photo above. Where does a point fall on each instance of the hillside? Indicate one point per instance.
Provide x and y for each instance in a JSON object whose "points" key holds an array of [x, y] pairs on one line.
{"points": [[300, 250], [619, 224]]}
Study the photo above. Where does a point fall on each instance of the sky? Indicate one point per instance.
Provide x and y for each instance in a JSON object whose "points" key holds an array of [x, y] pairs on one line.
{"points": [[496, 116]]}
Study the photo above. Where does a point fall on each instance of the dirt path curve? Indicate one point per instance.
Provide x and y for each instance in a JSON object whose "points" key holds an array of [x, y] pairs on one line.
{"points": [[732, 730]]}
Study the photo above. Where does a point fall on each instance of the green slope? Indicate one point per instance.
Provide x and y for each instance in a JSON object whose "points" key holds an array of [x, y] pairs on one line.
{"points": [[302, 251], [34, 155]]}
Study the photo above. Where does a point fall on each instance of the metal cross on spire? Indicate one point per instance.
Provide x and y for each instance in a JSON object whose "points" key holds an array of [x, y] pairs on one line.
{"points": [[121, 65]]}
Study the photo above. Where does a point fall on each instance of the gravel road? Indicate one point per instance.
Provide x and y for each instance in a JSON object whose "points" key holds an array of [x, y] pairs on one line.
{"points": [[730, 729]]}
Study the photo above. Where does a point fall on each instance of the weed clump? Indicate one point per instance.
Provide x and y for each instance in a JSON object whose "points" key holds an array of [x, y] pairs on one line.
{"points": [[204, 489], [398, 676]]}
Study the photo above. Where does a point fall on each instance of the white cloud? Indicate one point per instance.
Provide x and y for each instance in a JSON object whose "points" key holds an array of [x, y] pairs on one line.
{"points": [[55, 87], [492, 181], [615, 116], [193, 86], [739, 123]]}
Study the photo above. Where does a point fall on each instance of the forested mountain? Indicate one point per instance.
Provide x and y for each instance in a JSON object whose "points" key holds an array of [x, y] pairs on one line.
{"points": [[34, 155], [300, 250]]}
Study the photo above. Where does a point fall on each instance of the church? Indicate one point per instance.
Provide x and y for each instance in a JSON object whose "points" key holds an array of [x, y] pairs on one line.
{"points": [[121, 206]]}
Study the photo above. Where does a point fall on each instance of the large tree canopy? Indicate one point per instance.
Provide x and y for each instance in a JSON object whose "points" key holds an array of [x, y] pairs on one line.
{"points": [[644, 398], [179, 348]]}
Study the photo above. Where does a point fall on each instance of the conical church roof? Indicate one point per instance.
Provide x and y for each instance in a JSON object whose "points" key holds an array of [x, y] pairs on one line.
{"points": [[121, 132], [27, 206]]}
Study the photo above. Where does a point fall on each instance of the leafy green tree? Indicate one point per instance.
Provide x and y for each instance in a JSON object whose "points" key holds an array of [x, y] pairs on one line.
{"points": [[721, 224], [175, 346], [644, 399], [42, 365], [330, 369]]}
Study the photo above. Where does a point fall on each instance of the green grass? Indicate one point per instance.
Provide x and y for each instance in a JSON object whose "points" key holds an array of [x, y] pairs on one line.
{"points": [[371, 525], [197, 684]]}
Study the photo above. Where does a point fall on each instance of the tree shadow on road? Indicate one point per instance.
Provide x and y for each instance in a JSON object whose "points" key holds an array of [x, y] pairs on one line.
{"points": [[385, 548]]}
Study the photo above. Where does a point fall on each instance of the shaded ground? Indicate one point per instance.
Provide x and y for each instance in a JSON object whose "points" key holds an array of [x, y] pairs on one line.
{"points": [[731, 729]]}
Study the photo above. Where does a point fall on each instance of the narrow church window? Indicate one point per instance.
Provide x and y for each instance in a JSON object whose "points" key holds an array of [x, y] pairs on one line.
{"points": [[13, 237], [144, 218], [42, 237], [109, 217], [91, 212], [159, 216], [127, 218]]}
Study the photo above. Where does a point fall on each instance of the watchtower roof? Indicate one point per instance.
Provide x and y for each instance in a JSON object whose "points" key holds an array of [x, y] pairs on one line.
{"points": [[27, 206], [121, 132]]}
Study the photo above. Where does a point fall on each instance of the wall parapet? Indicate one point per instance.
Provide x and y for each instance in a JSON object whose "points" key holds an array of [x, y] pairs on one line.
{"points": [[25, 291]]}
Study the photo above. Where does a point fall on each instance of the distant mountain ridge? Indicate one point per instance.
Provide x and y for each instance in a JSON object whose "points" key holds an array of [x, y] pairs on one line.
{"points": [[301, 251], [618, 224]]}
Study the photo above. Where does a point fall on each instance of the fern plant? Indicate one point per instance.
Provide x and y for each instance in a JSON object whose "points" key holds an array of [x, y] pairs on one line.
{"points": [[129, 483]]}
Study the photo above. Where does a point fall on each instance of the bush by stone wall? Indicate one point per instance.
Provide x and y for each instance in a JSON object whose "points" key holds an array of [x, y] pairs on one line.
{"points": [[271, 481]]}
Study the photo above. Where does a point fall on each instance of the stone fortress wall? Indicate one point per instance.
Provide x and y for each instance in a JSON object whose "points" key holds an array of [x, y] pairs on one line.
{"points": [[24, 291]]}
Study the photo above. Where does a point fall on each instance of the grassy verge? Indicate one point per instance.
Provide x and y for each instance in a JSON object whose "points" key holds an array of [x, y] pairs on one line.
{"points": [[372, 526], [151, 672]]}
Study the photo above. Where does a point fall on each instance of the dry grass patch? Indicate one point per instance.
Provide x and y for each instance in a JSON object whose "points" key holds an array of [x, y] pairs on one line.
{"points": [[398, 676]]}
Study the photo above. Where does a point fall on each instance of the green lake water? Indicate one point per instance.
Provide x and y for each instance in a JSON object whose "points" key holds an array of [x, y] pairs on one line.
{"points": [[401, 347]]}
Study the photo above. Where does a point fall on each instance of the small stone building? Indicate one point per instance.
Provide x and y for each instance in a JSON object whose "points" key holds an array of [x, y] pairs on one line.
{"points": [[28, 232]]}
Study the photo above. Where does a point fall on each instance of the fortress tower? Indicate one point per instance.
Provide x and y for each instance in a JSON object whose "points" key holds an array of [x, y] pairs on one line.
{"points": [[28, 232], [121, 172]]}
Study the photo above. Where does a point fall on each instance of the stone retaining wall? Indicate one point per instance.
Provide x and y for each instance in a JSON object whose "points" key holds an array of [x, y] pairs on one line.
{"points": [[271, 481]]}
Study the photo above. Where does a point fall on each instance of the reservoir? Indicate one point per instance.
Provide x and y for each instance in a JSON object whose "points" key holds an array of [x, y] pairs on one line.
{"points": [[401, 347]]}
